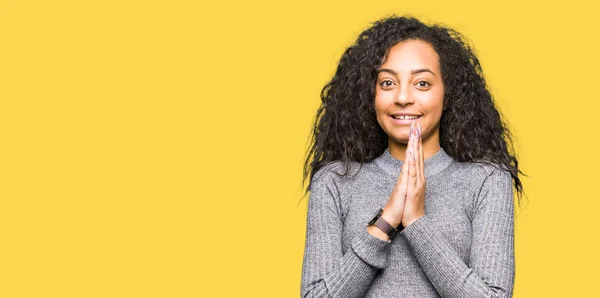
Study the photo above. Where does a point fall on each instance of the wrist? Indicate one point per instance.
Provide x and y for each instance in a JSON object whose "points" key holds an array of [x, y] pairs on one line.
{"points": [[379, 222], [393, 219], [409, 221], [375, 231]]}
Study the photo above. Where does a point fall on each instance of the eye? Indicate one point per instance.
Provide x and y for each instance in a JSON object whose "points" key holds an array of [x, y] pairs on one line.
{"points": [[385, 83], [423, 84]]}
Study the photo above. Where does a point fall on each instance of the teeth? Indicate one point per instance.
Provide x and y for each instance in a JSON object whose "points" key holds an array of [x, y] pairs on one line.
{"points": [[405, 117]]}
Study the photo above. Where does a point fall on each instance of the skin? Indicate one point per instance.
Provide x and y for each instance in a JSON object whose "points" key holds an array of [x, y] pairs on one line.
{"points": [[402, 90]]}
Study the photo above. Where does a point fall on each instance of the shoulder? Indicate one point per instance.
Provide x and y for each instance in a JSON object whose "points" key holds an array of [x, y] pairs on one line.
{"points": [[493, 172], [477, 178], [334, 178], [480, 171], [336, 171], [486, 184], [326, 188], [488, 178]]}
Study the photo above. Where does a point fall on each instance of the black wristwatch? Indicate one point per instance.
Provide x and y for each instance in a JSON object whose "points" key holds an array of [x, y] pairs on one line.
{"points": [[383, 225]]}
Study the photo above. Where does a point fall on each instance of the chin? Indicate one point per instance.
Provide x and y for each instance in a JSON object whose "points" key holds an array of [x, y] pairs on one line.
{"points": [[399, 139]]}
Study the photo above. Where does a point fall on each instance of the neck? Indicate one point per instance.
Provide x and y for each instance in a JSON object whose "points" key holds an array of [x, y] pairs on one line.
{"points": [[432, 164]]}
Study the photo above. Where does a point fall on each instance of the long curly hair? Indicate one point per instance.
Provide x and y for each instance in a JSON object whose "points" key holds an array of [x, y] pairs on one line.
{"points": [[471, 127]]}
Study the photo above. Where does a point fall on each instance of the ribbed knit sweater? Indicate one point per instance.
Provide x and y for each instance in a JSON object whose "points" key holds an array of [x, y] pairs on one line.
{"points": [[462, 247]]}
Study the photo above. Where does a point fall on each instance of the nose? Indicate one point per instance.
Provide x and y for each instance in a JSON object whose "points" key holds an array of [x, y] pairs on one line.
{"points": [[403, 97]]}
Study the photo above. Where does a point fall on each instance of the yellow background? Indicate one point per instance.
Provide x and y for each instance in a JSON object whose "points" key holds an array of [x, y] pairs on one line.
{"points": [[155, 148]]}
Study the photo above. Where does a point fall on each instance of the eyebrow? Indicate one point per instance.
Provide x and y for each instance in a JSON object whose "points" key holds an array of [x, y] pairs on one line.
{"points": [[415, 71]]}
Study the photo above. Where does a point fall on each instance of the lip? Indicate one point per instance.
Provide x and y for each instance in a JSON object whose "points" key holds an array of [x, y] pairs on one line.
{"points": [[404, 121], [405, 114]]}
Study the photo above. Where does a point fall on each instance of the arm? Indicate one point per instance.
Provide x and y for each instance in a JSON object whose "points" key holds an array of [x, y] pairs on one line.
{"points": [[492, 260], [326, 271]]}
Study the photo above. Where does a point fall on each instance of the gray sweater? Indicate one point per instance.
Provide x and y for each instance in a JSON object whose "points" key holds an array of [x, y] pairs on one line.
{"points": [[462, 247]]}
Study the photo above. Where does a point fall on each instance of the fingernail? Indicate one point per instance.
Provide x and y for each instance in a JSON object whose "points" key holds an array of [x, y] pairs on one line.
{"points": [[412, 127]]}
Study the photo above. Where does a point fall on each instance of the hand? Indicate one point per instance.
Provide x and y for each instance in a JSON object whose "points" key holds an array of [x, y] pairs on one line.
{"points": [[414, 205], [394, 210]]}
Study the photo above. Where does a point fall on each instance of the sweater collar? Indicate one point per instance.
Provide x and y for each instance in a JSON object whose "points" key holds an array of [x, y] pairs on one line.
{"points": [[433, 165]]}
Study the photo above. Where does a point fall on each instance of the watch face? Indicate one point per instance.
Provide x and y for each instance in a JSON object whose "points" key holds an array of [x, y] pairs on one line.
{"points": [[372, 222], [392, 233]]}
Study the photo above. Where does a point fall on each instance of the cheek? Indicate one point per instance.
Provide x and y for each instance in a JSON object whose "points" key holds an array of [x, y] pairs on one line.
{"points": [[434, 104], [435, 115], [383, 100], [379, 115], [379, 106]]}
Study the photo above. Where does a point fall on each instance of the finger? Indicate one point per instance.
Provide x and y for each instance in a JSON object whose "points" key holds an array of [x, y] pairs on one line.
{"points": [[409, 171], [404, 171], [422, 170], [412, 176], [418, 154]]}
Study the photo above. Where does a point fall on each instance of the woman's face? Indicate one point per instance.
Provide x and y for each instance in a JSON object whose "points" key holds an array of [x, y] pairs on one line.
{"points": [[409, 84]]}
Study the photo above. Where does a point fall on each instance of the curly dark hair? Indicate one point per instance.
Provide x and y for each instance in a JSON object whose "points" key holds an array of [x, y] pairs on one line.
{"points": [[471, 127]]}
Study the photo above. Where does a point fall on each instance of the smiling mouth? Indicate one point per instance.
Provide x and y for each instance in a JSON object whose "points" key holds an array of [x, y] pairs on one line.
{"points": [[404, 117]]}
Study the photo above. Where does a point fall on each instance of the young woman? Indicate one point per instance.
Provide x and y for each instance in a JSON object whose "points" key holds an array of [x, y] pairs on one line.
{"points": [[411, 178]]}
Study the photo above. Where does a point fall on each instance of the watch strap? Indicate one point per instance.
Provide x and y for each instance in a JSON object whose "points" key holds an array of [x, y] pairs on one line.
{"points": [[383, 225]]}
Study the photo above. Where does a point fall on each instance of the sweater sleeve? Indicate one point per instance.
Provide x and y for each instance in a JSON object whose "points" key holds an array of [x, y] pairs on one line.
{"points": [[492, 264], [326, 270]]}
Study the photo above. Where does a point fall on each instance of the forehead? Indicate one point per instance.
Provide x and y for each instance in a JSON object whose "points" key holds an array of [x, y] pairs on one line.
{"points": [[412, 54]]}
